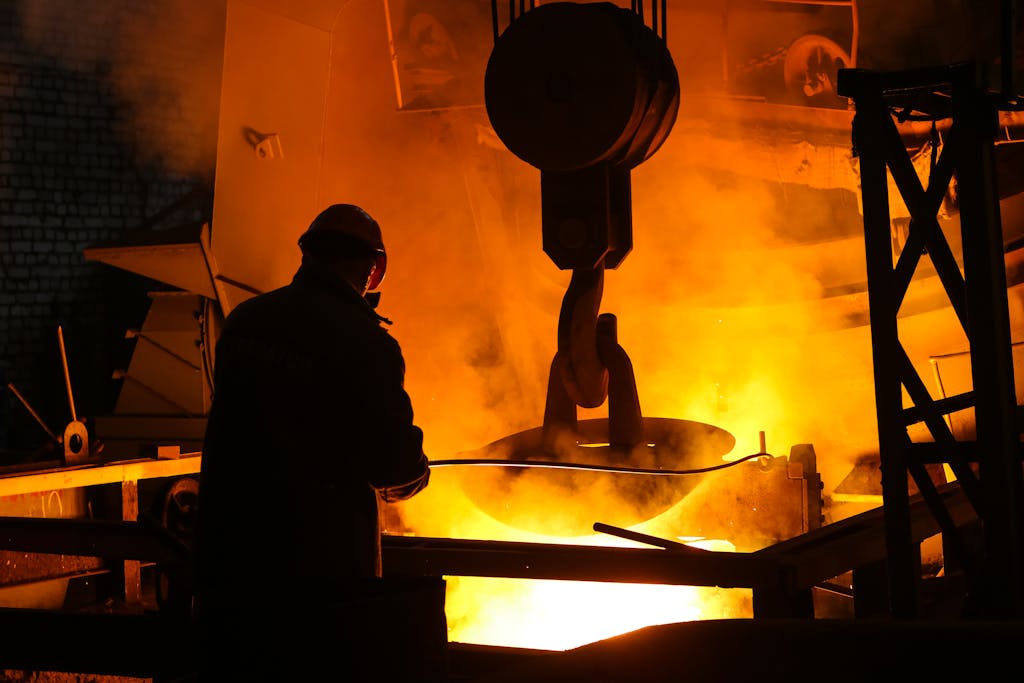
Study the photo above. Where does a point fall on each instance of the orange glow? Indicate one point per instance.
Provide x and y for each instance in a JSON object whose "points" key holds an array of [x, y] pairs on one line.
{"points": [[552, 614], [559, 615], [741, 305]]}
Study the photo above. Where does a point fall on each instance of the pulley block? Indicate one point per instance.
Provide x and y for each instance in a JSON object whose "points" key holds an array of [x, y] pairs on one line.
{"points": [[569, 85]]}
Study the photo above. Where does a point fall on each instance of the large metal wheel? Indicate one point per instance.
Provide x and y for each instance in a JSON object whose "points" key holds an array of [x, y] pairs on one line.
{"points": [[811, 68], [557, 66], [177, 514]]}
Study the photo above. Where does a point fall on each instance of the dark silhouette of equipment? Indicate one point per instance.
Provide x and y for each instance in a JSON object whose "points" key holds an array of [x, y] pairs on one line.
{"points": [[584, 93], [987, 466]]}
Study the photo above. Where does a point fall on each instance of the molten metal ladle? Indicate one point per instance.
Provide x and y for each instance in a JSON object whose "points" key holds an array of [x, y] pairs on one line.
{"points": [[585, 92], [598, 481]]}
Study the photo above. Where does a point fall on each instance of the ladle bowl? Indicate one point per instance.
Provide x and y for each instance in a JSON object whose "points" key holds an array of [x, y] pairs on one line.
{"points": [[561, 495]]}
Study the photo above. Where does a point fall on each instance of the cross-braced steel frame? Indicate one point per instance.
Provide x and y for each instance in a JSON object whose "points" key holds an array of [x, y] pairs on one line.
{"points": [[987, 468]]}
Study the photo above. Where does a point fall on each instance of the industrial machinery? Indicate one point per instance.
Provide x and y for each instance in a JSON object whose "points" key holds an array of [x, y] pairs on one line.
{"points": [[586, 226], [492, 143]]}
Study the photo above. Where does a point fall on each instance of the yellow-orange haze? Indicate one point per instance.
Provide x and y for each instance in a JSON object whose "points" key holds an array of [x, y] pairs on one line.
{"points": [[721, 309]]}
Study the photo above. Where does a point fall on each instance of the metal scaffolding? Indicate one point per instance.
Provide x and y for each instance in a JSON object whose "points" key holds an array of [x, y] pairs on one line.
{"points": [[987, 467]]}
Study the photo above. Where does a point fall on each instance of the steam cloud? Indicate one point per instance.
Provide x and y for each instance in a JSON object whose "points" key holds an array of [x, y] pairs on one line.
{"points": [[721, 305], [164, 58], [720, 310]]}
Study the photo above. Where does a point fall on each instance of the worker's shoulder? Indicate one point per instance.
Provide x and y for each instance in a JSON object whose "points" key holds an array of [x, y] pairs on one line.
{"points": [[387, 340], [261, 305], [360, 327]]}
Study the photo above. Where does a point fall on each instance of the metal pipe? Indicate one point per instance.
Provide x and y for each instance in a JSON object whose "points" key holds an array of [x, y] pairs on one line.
{"points": [[1007, 45], [121, 374], [32, 412], [67, 375], [645, 538], [235, 283], [855, 33], [942, 389], [138, 334], [559, 465]]}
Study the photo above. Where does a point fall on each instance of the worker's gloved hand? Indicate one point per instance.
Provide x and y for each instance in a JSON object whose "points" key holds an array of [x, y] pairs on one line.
{"points": [[415, 481]]}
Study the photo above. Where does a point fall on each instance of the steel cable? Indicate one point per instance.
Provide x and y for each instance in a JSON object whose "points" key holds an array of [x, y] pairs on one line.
{"points": [[555, 464]]}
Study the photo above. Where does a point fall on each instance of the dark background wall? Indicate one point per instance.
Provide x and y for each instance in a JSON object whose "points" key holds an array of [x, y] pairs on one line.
{"points": [[107, 123]]}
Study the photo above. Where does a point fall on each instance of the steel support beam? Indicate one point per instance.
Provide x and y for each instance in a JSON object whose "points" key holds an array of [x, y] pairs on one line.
{"points": [[988, 468], [781, 576]]}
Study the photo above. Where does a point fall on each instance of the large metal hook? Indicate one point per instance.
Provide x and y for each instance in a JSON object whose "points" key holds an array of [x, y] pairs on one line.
{"points": [[589, 367]]}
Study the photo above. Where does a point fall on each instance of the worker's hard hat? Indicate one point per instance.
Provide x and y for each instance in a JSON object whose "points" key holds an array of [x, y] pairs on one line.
{"points": [[350, 223]]}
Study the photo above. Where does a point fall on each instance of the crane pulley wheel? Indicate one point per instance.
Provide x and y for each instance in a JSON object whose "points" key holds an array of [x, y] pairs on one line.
{"points": [[569, 85]]}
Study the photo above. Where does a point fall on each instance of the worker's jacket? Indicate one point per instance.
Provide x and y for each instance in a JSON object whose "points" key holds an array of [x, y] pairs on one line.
{"points": [[309, 424]]}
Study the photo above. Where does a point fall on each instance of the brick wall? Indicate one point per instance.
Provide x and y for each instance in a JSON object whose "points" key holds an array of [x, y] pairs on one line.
{"points": [[77, 169]]}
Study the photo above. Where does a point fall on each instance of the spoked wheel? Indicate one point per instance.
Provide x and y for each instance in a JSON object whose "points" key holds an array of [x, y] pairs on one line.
{"points": [[811, 68], [177, 514]]}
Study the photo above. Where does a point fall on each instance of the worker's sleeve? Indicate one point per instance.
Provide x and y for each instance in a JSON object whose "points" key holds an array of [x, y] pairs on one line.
{"points": [[395, 463]]}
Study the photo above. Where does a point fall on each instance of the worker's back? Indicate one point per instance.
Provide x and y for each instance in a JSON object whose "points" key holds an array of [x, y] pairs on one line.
{"points": [[309, 424]]}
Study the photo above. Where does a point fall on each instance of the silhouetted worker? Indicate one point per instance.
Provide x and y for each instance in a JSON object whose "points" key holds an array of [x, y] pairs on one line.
{"points": [[309, 426]]}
